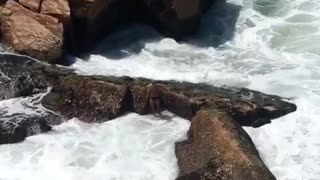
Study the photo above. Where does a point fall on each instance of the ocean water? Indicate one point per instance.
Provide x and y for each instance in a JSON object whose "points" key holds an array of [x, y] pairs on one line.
{"points": [[272, 46]]}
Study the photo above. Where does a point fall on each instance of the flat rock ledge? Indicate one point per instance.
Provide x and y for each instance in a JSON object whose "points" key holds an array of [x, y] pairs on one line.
{"points": [[217, 147]]}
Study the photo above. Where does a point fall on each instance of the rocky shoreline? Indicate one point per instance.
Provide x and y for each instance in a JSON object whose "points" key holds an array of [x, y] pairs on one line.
{"points": [[47, 30], [217, 146]]}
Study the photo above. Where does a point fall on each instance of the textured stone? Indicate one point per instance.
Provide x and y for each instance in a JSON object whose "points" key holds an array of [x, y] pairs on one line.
{"points": [[219, 149], [37, 35]]}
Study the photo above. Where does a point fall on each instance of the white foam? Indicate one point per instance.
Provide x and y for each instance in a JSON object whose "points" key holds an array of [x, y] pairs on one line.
{"points": [[133, 147]]}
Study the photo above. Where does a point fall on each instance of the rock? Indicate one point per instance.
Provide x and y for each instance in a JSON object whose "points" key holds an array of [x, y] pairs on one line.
{"points": [[17, 129], [99, 98], [18, 78], [176, 18], [22, 76], [140, 99], [94, 19], [36, 35], [88, 99], [33, 5], [247, 107], [57, 8], [219, 149], [15, 126], [91, 21]]}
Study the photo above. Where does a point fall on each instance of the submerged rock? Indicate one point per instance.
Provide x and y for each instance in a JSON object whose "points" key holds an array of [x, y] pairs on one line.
{"points": [[219, 149], [15, 128], [23, 117], [27, 32]]}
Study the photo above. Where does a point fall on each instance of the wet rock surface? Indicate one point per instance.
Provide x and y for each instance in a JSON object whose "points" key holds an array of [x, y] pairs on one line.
{"points": [[23, 117], [113, 96], [217, 147]]}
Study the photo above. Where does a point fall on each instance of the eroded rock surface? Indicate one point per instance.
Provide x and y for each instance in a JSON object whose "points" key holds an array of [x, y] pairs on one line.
{"points": [[58, 8], [89, 100], [26, 32], [33, 5], [219, 149], [113, 96]]}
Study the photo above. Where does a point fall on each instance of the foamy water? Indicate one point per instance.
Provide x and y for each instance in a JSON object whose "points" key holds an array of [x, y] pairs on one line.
{"points": [[275, 49], [132, 147]]}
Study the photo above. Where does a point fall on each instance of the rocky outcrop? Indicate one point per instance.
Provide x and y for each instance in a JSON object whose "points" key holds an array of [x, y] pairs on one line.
{"points": [[26, 32], [219, 149], [87, 22], [74, 95], [217, 146]]}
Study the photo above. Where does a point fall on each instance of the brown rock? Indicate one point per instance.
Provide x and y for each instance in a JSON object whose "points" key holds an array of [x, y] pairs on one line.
{"points": [[33, 5], [57, 8], [140, 99], [37, 35], [180, 105], [176, 18], [90, 100], [219, 149]]}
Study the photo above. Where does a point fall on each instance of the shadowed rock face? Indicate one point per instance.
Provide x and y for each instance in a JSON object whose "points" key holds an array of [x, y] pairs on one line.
{"points": [[219, 149], [77, 26]]}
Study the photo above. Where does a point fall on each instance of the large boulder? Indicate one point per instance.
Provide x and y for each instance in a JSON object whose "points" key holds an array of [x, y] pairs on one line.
{"points": [[219, 149], [26, 32], [57, 8], [33, 5]]}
